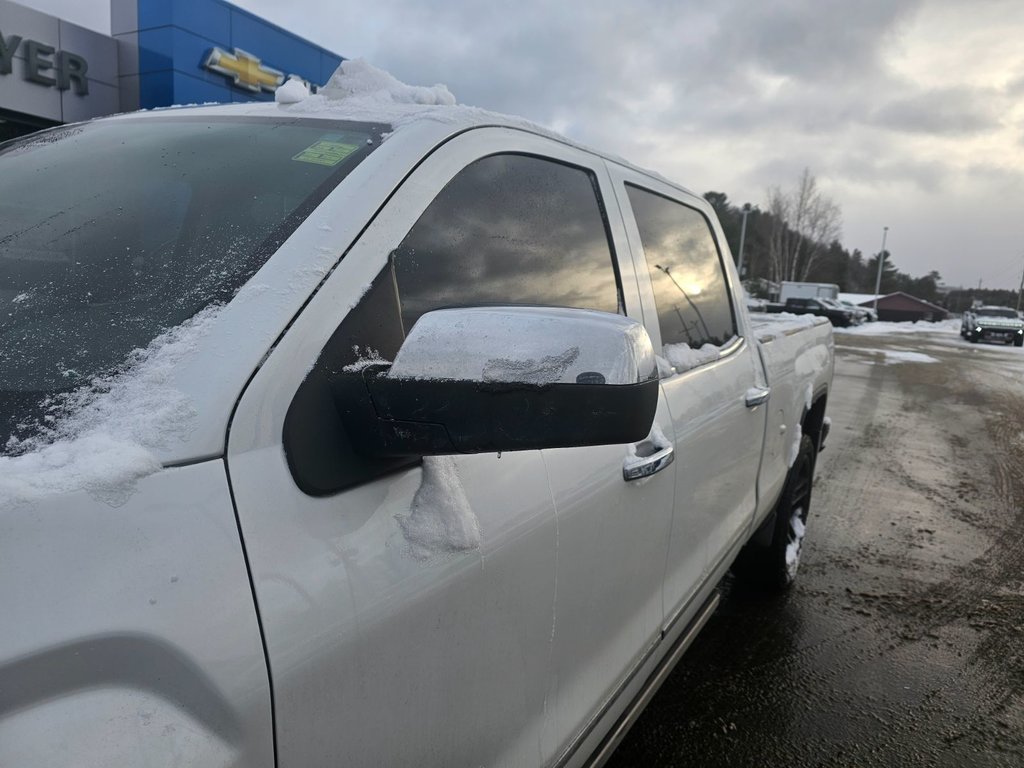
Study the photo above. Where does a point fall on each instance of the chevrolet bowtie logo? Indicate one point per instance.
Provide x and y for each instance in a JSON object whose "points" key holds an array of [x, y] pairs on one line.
{"points": [[246, 70]]}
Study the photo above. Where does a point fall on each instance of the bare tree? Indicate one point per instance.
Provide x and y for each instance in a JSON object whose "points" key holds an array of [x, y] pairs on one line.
{"points": [[804, 220]]}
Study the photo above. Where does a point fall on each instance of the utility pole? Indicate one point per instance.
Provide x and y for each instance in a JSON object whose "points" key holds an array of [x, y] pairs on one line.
{"points": [[1020, 290], [881, 260], [743, 238]]}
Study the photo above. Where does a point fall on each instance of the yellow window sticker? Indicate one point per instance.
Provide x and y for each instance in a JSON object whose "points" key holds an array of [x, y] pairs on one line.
{"points": [[327, 151]]}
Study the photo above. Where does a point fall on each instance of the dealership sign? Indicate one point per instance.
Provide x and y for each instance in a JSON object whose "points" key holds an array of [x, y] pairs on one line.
{"points": [[44, 64], [244, 69]]}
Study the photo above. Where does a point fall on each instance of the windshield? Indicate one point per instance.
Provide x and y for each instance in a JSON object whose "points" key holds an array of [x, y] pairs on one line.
{"points": [[997, 312], [114, 231]]}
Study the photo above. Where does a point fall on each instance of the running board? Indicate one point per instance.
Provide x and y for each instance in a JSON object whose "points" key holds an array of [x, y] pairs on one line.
{"points": [[661, 673]]}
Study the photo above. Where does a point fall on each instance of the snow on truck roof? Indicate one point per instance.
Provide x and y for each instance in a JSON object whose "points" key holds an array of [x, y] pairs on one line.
{"points": [[361, 92]]}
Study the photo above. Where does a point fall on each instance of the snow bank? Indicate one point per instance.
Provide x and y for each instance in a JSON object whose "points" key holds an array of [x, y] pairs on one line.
{"points": [[905, 356], [891, 356], [887, 328], [103, 437], [441, 520]]}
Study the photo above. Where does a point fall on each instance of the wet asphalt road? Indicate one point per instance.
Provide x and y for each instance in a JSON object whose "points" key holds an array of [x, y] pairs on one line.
{"points": [[902, 643]]}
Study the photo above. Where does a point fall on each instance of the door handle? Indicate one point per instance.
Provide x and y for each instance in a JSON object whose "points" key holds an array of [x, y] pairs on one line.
{"points": [[758, 396], [638, 467]]}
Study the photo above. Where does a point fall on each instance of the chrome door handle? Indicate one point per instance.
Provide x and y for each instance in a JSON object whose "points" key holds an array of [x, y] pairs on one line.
{"points": [[637, 467], [758, 396]]}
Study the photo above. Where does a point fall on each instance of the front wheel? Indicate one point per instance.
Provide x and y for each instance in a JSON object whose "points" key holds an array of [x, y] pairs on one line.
{"points": [[775, 566], [1019, 341]]}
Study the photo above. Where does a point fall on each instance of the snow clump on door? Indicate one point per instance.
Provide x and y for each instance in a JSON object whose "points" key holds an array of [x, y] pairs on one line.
{"points": [[441, 520]]}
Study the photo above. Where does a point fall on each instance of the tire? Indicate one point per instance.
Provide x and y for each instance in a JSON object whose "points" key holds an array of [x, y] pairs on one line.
{"points": [[774, 567], [1018, 342]]}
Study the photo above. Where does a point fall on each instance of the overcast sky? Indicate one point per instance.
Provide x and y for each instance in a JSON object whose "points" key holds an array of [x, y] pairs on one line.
{"points": [[910, 112]]}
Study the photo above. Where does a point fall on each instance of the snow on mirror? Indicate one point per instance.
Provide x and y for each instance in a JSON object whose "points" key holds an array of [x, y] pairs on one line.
{"points": [[527, 345]]}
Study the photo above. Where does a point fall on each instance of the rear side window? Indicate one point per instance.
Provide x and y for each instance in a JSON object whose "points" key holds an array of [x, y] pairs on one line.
{"points": [[509, 229], [686, 271]]}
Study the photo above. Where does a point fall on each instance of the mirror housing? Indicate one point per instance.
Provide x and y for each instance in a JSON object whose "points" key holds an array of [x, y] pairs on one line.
{"points": [[489, 379]]}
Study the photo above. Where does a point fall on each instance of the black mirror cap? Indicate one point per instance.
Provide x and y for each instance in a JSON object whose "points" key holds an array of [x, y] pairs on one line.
{"points": [[418, 417]]}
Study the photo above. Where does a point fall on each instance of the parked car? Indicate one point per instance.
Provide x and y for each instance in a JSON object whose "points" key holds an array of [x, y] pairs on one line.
{"points": [[841, 318], [993, 324], [324, 449], [866, 314], [857, 316]]}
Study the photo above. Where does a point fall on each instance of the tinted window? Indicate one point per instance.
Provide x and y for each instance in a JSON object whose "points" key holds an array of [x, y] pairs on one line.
{"points": [[509, 229], [686, 271]]}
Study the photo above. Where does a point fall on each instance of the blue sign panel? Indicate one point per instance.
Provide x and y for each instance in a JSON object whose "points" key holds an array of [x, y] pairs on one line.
{"points": [[195, 51]]}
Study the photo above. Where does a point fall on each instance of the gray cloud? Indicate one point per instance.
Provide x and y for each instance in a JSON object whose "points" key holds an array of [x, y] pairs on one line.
{"points": [[943, 111]]}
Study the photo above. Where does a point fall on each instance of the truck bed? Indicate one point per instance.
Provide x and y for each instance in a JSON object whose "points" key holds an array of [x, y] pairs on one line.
{"points": [[798, 356]]}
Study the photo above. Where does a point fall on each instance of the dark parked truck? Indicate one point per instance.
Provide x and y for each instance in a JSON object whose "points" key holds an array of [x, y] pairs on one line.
{"points": [[841, 318], [342, 432], [993, 324]]}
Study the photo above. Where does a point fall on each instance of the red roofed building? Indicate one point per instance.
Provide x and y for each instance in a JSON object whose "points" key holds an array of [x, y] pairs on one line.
{"points": [[902, 307]]}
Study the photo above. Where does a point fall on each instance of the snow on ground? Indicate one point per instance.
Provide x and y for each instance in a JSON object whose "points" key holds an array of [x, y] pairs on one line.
{"points": [[887, 329], [104, 436], [891, 356]]}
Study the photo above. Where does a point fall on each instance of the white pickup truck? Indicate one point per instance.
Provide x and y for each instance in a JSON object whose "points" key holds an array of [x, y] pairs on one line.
{"points": [[361, 430], [993, 324]]}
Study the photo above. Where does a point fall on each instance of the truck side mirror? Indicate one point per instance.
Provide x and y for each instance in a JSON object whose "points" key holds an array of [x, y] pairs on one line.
{"points": [[488, 379]]}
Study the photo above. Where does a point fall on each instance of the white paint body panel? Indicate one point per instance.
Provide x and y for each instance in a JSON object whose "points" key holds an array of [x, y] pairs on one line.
{"points": [[129, 633]]}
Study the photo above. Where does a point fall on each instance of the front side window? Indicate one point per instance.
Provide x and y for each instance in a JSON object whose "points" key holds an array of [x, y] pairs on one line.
{"points": [[509, 229], [115, 231], [690, 291]]}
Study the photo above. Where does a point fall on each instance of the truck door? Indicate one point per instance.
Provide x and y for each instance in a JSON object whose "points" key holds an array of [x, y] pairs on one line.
{"points": [[714, 385], [395, 641]]}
